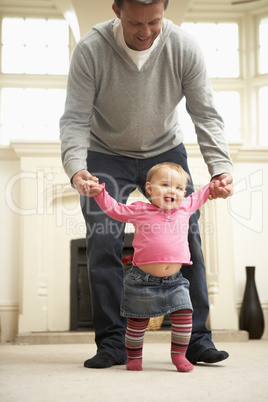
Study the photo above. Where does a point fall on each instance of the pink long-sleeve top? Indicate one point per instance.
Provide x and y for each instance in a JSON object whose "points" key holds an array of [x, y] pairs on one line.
{"points": [[160, 236]]}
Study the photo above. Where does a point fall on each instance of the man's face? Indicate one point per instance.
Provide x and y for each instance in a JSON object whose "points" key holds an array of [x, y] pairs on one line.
{"points": [[141, 23]]}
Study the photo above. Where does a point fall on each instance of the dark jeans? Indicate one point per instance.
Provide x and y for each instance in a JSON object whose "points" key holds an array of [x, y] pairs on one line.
{"points": [[122, 175]]}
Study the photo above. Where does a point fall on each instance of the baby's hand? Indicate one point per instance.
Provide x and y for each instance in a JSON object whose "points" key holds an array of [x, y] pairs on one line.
{"points": [[91, 188], [221, 186], [85, 184]]}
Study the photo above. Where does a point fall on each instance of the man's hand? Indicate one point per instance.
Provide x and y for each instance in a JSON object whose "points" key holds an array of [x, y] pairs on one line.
{"points": [[221, 186], [86, 184]]}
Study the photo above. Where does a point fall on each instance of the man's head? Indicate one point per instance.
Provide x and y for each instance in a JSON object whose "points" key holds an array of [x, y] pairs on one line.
{"points": [[118, 3], [141, 21]]}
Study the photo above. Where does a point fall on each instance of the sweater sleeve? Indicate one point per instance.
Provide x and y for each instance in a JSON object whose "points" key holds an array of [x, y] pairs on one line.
{"points": [[114, 209], [76, 120], [197, 199]]}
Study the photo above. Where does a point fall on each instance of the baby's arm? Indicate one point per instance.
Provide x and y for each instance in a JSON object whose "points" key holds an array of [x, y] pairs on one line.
{"points": [[116, 210], [198, 198]]}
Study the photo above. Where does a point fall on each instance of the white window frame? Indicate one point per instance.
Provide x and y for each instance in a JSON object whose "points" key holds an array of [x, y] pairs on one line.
{"points": [[247, 84], [45, 81], [249, 81]]}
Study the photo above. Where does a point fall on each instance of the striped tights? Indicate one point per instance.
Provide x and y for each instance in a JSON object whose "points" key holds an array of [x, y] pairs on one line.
{"points": [[181, 327], [136, 328]]}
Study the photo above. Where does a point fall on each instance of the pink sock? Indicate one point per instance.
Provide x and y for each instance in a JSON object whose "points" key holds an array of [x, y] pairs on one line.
{"points": [[181, 363], [134, 364], [180, 336]]}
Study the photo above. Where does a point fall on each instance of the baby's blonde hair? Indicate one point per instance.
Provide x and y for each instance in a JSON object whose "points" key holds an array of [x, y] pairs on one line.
{"points": [[169, 165]]}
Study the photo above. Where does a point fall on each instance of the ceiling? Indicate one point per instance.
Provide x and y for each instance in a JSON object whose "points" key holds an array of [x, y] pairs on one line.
{"points": [[226, 4], [193, 3]]}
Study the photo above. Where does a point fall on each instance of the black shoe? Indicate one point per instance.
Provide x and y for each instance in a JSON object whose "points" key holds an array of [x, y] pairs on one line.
{"points": [[213, 356], [101, 360]]}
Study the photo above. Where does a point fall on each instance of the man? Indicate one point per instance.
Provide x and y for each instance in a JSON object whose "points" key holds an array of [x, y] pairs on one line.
{"points": [[126, 78]]}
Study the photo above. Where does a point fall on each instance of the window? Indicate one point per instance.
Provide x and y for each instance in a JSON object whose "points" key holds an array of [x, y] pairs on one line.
{"points": [[30, 113], [34, 67], [263, 46], [228, 105], [230, 112], [220, 45], [40, 48], [263, 116], [262, 82], [235, 93]]}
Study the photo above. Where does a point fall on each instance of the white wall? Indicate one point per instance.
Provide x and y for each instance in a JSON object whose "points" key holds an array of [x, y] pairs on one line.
{"points": [[248, 208], [40, 267]]}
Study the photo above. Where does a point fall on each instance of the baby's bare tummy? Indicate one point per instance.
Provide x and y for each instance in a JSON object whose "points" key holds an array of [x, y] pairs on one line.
{"points": [[161, 269]]}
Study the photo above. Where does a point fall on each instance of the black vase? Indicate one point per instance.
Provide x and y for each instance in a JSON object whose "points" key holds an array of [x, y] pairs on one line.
{"points": [[251, 315]]}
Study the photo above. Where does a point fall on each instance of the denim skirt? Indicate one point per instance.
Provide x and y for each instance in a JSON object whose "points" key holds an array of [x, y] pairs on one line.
{"points": [[146, 295]]}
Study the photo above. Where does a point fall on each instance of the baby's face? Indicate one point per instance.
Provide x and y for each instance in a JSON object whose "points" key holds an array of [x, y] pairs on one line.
{"points": [[167, 188]]}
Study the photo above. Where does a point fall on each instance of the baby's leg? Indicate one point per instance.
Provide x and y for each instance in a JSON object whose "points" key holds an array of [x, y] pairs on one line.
{"points": [[136, 328], [181, 329]]}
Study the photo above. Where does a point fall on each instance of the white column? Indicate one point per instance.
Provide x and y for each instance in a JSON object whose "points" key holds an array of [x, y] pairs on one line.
{"points": [[46, 203], [216, 229]]}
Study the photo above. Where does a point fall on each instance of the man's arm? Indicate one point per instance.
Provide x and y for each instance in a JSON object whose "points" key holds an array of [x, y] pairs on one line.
{"points": [[209, 125], [76, 120]]}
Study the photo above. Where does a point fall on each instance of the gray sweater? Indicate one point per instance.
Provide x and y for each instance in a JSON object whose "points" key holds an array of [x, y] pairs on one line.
{"points": [[113, 107]]}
